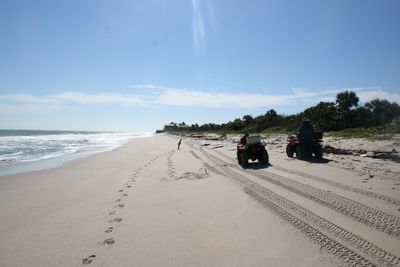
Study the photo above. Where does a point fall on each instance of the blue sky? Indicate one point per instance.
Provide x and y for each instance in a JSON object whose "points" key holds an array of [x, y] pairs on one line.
{"points": [[133, 65]]}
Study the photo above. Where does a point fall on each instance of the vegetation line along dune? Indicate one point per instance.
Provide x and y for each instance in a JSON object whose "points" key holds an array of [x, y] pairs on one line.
{"points": [[344, 117]]}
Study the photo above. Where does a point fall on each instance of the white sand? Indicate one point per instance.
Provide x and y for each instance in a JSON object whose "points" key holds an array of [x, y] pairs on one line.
{"points": [[177, 208]]}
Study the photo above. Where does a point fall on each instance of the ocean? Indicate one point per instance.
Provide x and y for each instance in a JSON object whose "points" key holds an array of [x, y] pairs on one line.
{"points": [[31, 150]]}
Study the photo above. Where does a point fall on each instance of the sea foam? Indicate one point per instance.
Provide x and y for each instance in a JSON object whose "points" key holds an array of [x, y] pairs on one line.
{"points": [[28, 150]]}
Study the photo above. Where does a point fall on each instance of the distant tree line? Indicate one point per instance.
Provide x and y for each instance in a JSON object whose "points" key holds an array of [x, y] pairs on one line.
{"points": [[343, 113]]}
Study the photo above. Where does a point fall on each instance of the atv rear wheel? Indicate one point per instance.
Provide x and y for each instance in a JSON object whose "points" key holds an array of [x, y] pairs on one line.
{"points": [[289, 151], [244, 160], [298, 152], [263, 158], [319, 152]]}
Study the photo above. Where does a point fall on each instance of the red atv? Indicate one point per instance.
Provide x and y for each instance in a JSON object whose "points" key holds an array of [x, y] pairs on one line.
{"points": [[305, 148], [252, 149]]}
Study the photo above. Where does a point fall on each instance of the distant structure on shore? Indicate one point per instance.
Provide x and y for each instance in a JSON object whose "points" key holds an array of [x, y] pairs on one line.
{"points": [[170, 127]]}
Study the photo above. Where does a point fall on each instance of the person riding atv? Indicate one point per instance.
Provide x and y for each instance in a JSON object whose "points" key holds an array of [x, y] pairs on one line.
{"points": [[305, 136], [243, 140], [306, 143]]}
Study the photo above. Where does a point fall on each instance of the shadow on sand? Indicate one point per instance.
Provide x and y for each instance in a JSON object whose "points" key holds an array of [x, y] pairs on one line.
{"points": [[315, 160], [257, 166]]}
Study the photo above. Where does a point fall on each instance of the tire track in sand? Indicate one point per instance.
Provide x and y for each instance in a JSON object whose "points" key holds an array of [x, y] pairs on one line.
{"points": [[369, 253], [380, 220], [353, 189]]}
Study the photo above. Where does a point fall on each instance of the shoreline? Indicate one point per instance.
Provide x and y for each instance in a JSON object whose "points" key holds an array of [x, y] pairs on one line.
{"points": [[9, 167]]}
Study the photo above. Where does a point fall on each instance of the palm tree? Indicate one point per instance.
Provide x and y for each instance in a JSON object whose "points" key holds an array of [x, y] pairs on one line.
{"points": [[248, 119], [271, 115], [346, 100]]}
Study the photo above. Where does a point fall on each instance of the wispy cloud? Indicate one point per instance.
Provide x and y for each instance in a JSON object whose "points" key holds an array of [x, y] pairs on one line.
{"points": [[149, 86], [25, 98], [29, 108], [203, 18], [354, 89], [368, 95], [101, 98], [186, 97], [190, 98]]}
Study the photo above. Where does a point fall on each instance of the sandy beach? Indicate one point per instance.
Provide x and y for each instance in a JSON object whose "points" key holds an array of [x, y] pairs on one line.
{"points": [[149, 204]]}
